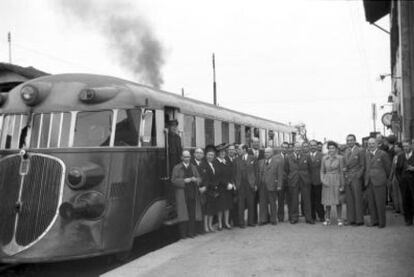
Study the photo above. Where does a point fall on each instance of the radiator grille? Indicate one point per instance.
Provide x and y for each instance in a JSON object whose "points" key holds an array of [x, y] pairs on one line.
{"points": [[9, 194], [40, 198]]}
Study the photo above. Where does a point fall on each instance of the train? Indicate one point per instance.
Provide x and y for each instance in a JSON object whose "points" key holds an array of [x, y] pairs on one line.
{"points": [[84, 161]]}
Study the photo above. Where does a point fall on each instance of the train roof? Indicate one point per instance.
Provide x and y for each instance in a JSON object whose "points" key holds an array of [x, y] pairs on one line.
{"points": [[130, 94]]}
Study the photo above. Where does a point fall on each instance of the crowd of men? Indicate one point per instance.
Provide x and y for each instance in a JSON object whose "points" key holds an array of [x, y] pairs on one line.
{"points": [[228, 180]]}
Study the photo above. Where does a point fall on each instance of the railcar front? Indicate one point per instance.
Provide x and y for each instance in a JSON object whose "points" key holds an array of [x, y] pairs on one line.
{"points": [[79, 171]]}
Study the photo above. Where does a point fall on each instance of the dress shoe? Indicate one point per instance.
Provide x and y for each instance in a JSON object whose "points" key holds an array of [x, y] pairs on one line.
{"points": [[359, 224], [373, 225], [252, 225], [228, 227], [350, 223], [274, 223], [381, 226], [310, 221], [293, 221]]}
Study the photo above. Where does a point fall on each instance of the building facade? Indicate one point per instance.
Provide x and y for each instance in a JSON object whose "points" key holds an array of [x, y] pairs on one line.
{"points": [[401, 60]]}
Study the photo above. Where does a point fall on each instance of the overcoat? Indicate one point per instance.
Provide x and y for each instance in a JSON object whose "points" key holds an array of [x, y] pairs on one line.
{"points": [[177, 180]]}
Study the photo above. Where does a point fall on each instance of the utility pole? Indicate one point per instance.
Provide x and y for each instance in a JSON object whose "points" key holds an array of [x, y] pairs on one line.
{"points": [[214, 81], [374, 116], [182, 92], [9, 40]]}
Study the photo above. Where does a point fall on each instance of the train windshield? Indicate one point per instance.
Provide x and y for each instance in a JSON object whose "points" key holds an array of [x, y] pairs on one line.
{"points": [[75, 129]]}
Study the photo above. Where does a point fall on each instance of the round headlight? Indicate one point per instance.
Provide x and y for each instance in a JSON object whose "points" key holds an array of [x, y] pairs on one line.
{"points": [[29, 95], [76, 178]]}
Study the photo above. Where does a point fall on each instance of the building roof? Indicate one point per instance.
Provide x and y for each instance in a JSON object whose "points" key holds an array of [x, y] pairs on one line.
{"points": [[375, 10], [28, 72]]}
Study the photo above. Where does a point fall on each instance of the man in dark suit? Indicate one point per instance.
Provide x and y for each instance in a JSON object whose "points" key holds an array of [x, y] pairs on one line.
{"points": [[405, 173], [299, 181], [270, 180], [378, 167], [245, 180], [316, 188], [231, 160], [354, 162], [283, 194], [258, 154]]}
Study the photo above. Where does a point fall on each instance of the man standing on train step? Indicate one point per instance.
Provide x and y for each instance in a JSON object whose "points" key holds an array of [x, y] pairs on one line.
{"points": [[186, 180], [174, 143]]}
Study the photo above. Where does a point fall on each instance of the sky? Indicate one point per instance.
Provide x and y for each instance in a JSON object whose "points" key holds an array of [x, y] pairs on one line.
{"points": [[312, 62]]}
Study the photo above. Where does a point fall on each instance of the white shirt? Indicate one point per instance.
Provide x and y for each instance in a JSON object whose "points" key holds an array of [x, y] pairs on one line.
{"points": [[212, 167], [373, 152], [408, 156], [197, 162], [186, 165]]}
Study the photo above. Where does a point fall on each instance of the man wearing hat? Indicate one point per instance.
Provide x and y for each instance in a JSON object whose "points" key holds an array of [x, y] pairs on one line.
{"points": [[174, 143]]}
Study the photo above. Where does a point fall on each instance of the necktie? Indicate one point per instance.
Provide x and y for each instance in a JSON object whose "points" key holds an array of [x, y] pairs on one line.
{"points": [[267, 162]]}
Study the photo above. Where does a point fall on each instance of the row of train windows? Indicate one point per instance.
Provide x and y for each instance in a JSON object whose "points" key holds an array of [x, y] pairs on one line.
{"points": [[91, 129], [132, 127], [228, 135]]}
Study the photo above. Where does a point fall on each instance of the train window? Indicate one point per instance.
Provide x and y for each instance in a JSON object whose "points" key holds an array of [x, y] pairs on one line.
{"points": [[148, 136], [189, 131], [37, 118], [54, 129], [225, 132], [237, 133], [13, 126], [248, 135], [262, 136], [93, 129], [271, 139], [127, 127], [64, 134], [209, 131], [44, 131]]}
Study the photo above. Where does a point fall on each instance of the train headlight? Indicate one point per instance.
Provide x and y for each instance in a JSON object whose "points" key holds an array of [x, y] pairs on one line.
{"points": [[89, 205], [97, 95], [35, 92], [75, 178], [29, 94], [85, 176]]}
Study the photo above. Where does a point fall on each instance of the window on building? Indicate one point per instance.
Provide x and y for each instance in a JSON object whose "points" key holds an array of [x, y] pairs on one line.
{"points": [[127, 127], [225, 132], [209, 131], [189, 131], [93, 129]]}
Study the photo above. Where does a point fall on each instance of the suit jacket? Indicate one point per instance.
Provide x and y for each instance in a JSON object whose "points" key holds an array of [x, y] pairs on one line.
{"points": [[285, 167], [299, 170], [174, 149], [233, 168], [316, 168], [354, 162], [271, 175], [246, 169], [401, 166], [177, 180], [377, 168]]}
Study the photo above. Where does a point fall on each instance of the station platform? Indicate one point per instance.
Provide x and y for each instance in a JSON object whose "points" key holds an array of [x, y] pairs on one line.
{"points": [[285, 250]]}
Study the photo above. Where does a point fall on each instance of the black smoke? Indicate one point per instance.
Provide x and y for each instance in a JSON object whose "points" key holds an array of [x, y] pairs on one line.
{"points": [[127, 32]]}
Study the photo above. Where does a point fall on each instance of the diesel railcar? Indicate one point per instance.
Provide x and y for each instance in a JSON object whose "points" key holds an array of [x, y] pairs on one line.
{"points": [[84, 162]]}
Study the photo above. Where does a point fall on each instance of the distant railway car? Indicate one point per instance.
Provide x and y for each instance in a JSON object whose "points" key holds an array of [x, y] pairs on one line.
{"points": [[83, 166]]}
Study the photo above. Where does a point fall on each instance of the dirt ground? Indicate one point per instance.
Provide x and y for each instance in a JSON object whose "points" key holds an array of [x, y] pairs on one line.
{"points": [[286, 250]]}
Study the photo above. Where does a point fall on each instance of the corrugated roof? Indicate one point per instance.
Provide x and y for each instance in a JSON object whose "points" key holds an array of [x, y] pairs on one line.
{"points": [[28, 72]]}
